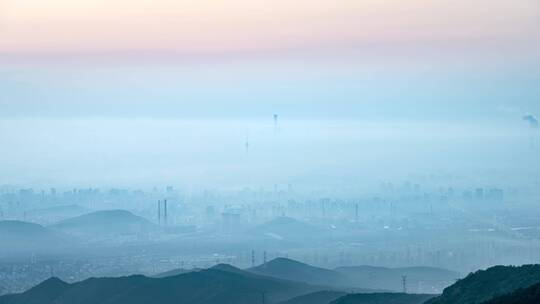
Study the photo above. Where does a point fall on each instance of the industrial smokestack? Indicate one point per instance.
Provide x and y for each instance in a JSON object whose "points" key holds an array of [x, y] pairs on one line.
{"points": [[159, 212], [165, 211]]}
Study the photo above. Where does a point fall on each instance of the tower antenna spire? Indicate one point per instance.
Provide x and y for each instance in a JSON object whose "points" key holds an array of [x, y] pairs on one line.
{"points": [[246, 144]]}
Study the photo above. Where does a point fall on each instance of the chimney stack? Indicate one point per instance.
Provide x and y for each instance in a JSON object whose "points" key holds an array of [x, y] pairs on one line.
{"points": [[165, 211], [159, 212]]}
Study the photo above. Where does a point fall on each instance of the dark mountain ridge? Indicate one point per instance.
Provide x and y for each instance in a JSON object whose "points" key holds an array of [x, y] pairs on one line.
{"points": [[288, 269], [368, 278], [221, 285], [529, 295], [383, 298], [485, 285], [319, 297]]}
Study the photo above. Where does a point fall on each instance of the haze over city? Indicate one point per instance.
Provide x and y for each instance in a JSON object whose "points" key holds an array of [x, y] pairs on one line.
{"points": [[240, 151]]}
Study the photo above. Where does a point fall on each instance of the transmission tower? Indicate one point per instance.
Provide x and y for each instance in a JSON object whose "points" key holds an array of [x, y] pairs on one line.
{"points": [[404, 282]]}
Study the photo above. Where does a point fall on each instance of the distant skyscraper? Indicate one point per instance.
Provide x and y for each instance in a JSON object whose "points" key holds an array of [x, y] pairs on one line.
{"points": [[159, 212], [275, 122], [246, 144], [165, 211]]}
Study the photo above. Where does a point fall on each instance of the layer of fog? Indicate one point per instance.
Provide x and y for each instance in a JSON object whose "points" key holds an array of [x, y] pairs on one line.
{"points": [[212, 152]]}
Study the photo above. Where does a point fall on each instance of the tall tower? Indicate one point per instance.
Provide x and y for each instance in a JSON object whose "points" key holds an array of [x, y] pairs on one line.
{"points": [[275, 122], [246, 144], [165, 212], [159, 212], [356, 212], [252, 258]]}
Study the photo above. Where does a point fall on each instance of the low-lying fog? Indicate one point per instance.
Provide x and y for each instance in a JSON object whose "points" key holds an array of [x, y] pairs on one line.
{"points": [[233, 153]]}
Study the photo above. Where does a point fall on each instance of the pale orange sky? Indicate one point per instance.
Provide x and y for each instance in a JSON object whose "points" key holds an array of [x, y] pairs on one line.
{"points": [[205, 26]]}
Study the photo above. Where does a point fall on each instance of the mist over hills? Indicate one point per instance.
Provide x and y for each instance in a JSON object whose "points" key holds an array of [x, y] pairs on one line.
{"points": [[284, 268], [116, 242], [56, 213], [359, 278], [174, 272], [23, 237], [367, 277], [269, 152], [108, 222], [430, 279], [224, 284], [227, 284], [17, 230]]}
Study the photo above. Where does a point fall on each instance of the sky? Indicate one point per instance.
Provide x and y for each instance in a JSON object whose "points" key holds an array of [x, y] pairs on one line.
{"points": [[239, 57], [80, 72], [204, 27]]}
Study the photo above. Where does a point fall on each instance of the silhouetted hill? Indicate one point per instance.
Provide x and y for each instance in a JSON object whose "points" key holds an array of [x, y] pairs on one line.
{"points": [[230, 268], [383, 298], [178, 271], [174, 272], [484, 285], [222, 267], [296, 271], [56, 213], [420, 279], [105, 222], [211, 286], [45, 292], [17, 230], [319, 297], [430, 280], [529, 295], [18, 237]]}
